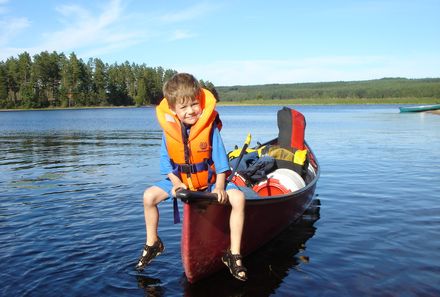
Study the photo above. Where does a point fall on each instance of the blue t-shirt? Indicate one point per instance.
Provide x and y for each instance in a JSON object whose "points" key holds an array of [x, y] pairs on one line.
{"points": [[218, 155]]}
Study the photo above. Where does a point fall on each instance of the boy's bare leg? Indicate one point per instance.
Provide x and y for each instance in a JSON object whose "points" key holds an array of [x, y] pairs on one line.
{"points": [[152, 197], [236, 220], [154, 246]]}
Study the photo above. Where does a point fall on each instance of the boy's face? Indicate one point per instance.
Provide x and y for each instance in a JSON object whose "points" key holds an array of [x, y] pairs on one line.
{"points": [[188, 112]]}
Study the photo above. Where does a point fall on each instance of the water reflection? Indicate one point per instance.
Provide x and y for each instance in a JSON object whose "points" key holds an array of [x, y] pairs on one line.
{"points": [[268, 266], [34, 158], [150, 286]]}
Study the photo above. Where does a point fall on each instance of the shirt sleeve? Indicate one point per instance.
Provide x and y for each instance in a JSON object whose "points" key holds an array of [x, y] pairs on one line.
{"points": [[165, 162], [219, 153]]}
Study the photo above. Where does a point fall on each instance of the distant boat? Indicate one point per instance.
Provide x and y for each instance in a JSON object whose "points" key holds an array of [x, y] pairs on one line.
{"points": [[419, 108]]}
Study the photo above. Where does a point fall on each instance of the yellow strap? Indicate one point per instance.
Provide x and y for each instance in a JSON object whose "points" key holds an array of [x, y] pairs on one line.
{"points": [[235, 153], [300, 157], [190, 184], [248, 139]]}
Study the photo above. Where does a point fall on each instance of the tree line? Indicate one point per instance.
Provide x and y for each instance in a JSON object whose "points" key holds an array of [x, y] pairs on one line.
{"points": [[55, 80], [369, 89]]}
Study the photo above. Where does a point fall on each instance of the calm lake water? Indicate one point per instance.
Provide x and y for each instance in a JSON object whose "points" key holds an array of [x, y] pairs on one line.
{"points": [[71, 217]]}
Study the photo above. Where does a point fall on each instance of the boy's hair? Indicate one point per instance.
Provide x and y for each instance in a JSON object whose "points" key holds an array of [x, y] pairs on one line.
{"points": [[180, 88]]}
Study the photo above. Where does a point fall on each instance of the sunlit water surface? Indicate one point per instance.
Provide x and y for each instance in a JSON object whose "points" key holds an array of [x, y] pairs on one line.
{"points": [[71, 218]]}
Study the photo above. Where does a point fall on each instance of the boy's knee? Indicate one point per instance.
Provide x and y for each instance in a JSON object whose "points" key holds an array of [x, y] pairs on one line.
{"points": [[149, 198], [240, 196], [236, 197], [153, 196]]}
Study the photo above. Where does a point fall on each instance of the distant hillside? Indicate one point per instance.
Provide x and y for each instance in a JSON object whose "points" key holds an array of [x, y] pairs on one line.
{"points": [[369, 89]]}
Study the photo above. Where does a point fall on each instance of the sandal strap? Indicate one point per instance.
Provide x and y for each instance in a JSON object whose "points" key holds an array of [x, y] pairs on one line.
{"points": [[239, 268], [231, 261], [236, 256], [147, 248]]}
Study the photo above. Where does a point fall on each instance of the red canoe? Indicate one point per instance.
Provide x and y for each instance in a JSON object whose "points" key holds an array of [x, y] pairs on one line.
{"points": [[205, 231]]}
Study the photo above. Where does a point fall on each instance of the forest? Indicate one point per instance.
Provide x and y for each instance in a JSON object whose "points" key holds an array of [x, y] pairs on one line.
{"points": [[358, 91], [54, 80]]}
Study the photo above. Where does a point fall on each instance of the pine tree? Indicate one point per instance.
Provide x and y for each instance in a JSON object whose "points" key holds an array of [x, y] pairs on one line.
{"points": [[3, 85]]}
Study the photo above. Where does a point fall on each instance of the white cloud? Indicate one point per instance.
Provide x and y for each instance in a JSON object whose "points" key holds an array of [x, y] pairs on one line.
{"points": [[181, 34], [2, 8], [106, 30], [11, 27], [83, 30], [189, 13], [74, 11]]}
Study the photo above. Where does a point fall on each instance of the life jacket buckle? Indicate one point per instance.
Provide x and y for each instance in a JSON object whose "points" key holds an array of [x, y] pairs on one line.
{"points": [[186, 168]]}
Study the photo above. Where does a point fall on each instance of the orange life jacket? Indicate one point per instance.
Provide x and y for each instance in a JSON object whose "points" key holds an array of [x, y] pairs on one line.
{"points": [[191, 156]]}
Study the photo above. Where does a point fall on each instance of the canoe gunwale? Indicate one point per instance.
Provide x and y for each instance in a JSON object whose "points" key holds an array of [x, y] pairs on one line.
{"points": [[209, 198], [203, 198]]}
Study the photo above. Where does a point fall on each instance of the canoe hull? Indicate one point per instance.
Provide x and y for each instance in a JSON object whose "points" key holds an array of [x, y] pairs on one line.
{"points": [[205, 231], [419, 108]]}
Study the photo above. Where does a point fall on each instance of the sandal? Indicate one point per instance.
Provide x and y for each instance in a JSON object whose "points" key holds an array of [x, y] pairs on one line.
{"points": [[230, 260], [149, 253]]}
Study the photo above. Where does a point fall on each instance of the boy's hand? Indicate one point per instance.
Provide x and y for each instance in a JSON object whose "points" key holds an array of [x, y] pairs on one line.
{"points": [[222, 196], [219, 189], [178, 186], [177, 183]]}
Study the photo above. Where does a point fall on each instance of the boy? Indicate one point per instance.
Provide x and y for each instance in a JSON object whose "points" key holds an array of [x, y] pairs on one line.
{"points": [[193, 157]]}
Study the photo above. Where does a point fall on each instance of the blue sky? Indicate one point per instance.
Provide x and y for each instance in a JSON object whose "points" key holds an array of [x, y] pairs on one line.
{"points": [[236, 42]]}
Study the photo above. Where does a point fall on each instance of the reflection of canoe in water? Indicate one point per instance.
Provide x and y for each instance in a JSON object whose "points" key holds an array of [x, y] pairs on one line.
{"points": [[419, 108], [205, 231]]}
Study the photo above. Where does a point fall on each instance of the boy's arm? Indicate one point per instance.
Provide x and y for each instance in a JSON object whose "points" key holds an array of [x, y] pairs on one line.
{"points": [[221, 166], [219, 156], [165, 162], [177, 183], [219, 189]]}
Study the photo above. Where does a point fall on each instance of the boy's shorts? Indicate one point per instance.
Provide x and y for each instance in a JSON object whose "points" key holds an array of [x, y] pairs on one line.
{"points": [[167, 186]]}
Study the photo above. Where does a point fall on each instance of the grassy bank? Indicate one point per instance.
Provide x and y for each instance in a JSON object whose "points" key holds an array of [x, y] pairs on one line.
{"points": [[309, 101]]}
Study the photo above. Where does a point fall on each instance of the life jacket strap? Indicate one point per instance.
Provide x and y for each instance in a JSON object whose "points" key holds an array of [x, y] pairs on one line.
{"points": [[192, 168], [189, 169], [210, 173], [176, 211]]}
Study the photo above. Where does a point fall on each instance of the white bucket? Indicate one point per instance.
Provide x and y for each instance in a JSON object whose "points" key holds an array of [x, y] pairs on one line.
{"points": [[288, 178]]}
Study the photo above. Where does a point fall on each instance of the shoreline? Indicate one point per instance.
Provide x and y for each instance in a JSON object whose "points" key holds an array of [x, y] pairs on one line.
{"points": [[75, 108], [225, 103], [437, 111]]}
